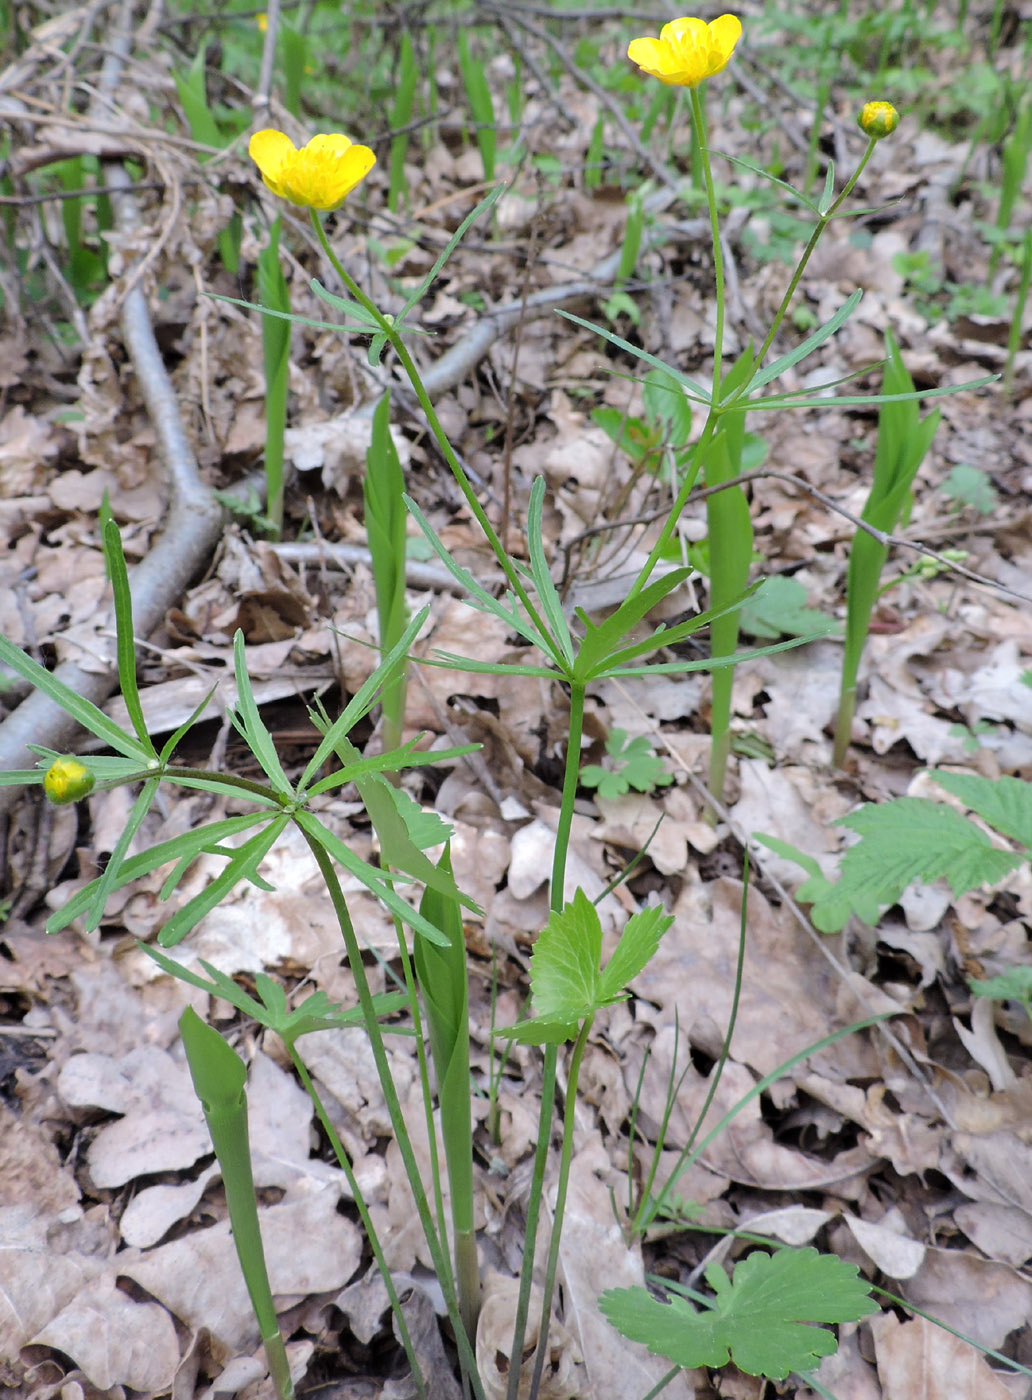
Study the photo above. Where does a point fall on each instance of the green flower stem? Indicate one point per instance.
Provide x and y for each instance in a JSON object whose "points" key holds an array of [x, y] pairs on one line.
{"points": [[688, 485], [822, 223], [424, 1079], [537, 1191], [565, 1160], [340, 1152], [645, 1206], [699, 127], [390, 1094], [388, 328], [571, 776]]}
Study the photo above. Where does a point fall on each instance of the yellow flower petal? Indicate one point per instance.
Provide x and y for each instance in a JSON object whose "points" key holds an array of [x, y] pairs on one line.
{"points": [[688, 50], [271, 151], [319, 175]]}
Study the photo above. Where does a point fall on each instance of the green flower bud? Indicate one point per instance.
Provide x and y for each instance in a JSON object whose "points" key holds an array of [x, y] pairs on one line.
{"points": [[67, 780], [878, 119]]}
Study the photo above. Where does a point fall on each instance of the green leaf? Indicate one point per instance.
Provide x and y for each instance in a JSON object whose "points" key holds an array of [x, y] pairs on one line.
{"points": [[251, 725], [1013, 985], [970, 487], [183, 848], [902, 841], [638, 943], [126, 644], [634, 765], [564, 966], [315, 1013], [565, 980], [243, 865], [693, 390], [546, 589], [758, 1320], [90, 716], [778, 608], [1004, 803]]}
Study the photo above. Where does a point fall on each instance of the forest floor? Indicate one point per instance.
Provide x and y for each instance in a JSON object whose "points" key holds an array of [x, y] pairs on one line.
{"points": [[904, 1148]]}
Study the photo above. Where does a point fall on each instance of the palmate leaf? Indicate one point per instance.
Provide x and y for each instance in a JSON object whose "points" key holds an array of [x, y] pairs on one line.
{"points": [[758, 1320], [566, 981]]}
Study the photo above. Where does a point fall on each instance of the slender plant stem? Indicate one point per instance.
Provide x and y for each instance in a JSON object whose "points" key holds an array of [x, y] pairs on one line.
{"points": [[340, 1152], [662, 1384], [699, 127], [424, 1079], [822, 223], [390, 1093], [571, 775], [565, 1159], [640, 1223]]}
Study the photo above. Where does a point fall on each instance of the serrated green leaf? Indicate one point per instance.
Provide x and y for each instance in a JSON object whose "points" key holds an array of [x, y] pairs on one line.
{"points": [[758, 1319], [903, 841], [564, 966], [1004, 803], [638, 943]]}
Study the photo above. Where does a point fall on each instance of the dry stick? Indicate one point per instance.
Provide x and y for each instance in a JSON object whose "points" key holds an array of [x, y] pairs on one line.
{"points": [[192, 526], [893, 541]]}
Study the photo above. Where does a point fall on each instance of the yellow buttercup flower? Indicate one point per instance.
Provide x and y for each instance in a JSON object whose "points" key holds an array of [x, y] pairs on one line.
{"points": [[878, 119], [688, 50], [67, 780], [319, 175]]}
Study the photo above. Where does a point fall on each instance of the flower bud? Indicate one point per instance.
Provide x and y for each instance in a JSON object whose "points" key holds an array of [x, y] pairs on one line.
{"points": [[878, 119], [67, 780]]}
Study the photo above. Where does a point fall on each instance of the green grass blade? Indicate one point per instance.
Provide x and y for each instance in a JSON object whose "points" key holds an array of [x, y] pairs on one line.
{"points": [[401, 116], [242, 866], [551, 603], [126, 643], [363, 700], [693, 390], [90, 716], [107, 881], [219, 1077], [257, 735], [274, 293]]}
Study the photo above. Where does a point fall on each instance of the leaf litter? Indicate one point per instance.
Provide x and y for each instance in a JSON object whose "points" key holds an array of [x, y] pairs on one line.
{"points": [[911, 1156]]}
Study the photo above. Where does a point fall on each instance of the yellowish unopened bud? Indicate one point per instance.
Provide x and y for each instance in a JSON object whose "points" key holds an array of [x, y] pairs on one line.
{"points": [[878, 119], [67, 780]]}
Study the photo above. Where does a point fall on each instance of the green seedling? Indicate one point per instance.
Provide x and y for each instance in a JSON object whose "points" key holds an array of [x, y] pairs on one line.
{"points": [[778, 609], [620, 303], [970, 735], [1013, 985], [295, 65], [903, 439], [275, 294], [204, 128], [972, 488], [632, 764]]}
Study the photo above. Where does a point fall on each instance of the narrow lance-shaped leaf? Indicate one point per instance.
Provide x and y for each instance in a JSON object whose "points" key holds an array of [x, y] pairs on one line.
{"points": [[219, 1077]]}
